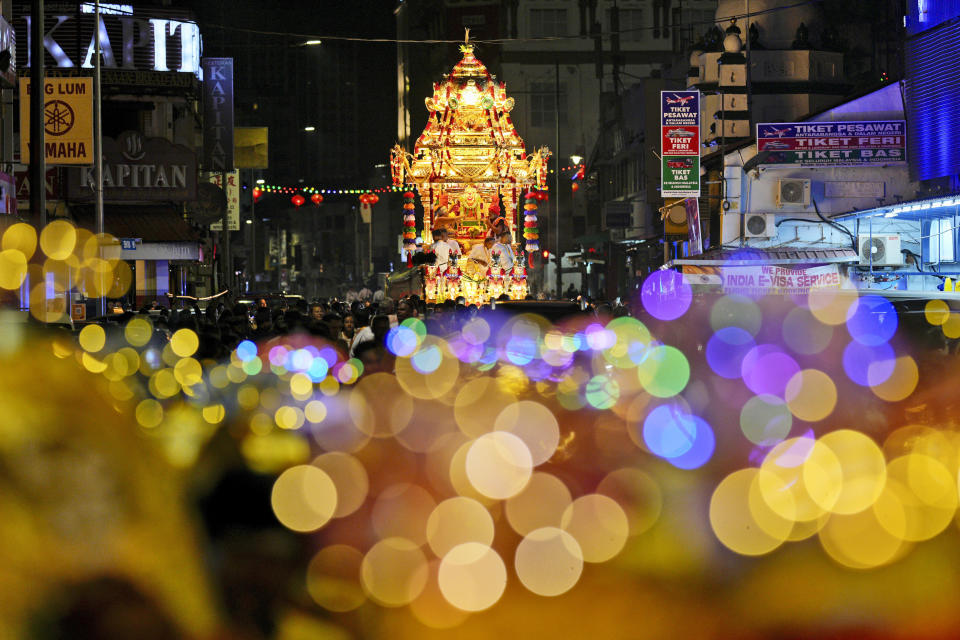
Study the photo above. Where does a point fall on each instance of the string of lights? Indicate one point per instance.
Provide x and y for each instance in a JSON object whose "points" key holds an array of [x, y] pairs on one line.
{"points": [[293, 190]]}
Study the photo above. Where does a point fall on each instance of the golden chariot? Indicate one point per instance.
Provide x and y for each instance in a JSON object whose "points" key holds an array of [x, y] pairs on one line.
{"points": [[470, 168]]}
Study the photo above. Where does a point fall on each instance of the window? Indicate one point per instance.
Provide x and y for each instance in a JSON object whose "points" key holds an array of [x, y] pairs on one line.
{"points": [[543, 104], [546, 23], [632, 26], [942, 243]]}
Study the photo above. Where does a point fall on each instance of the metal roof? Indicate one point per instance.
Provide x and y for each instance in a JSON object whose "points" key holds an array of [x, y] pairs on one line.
{"points": [[912, 210]]}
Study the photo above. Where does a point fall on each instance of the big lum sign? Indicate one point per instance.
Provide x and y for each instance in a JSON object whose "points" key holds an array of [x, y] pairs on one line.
{"points": [[129, 40]]}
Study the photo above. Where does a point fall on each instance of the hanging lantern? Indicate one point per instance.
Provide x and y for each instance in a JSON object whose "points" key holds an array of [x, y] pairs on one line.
{"points": [[574, 187], [531, 233], [297, 200], [374, 198], [257, 193], [316, 199], [409, 226]]}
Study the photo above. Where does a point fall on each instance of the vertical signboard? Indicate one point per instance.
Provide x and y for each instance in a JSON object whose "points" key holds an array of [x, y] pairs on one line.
{"points": [[67, 120], [680, 144], [232, 192], [218, 114]]}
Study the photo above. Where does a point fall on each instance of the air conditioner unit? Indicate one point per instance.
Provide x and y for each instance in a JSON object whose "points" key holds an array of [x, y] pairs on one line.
{"points": [[880, 251], [793, 192], [759, 225]]}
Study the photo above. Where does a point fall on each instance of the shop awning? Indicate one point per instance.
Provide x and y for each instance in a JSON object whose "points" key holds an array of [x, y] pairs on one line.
{"points": [[150, 224], [752, 256], [913, 211]]}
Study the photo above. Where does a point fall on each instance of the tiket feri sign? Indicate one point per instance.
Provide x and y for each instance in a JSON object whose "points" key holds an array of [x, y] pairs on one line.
{"points": [[218, 114], [67, 120], [680, 144]]}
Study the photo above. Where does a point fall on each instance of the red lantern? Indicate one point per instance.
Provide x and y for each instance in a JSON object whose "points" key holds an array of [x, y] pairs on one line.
{"points": [[374, 198], [574, 187], [257, 193], [297, 200], [316, 199]]}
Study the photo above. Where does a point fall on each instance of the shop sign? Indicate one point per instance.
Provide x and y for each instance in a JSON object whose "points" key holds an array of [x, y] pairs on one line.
{"points": [[218, 114], [232, 192], [22, 178], [814, 144], [765, 279], [138, 169], [128, 40], [680, 144], [67, 120]]}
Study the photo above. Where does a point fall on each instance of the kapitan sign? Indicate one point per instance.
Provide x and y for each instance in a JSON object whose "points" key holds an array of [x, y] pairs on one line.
{"points": [[218, 114], [680, 144], [153, 40], [806, 144], [138, 169]]}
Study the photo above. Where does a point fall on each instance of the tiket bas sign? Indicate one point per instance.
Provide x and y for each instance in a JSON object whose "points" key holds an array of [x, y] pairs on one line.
{"points": [[218, 114], [680, 144]]}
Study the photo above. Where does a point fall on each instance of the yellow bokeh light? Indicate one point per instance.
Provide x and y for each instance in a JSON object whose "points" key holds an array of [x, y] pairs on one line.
{"points": [[434, 383], [498, 465], [315, 411], [472, 576], [288, 417], [456, 521], [534, 424], [92, 338], [304, 498], [858, 541], [901, 383], [149, 413], [184, 342], [21, 237], [542, 503], [188, 372], [379, 406], [802, 479], [598, 524], [350, 478], [432, 609], [394, 572], [477, 402], [301, 386], [731, 517], [333, 578], [58, 239], [951, 328], [13, 268], [919, 499], [937, 312], [811, 395], [214, 413], [548, 561], [92, 364], [863, 468], [832, 306]]}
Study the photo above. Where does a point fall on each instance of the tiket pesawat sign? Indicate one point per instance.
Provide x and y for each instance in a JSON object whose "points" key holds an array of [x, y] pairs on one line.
{"points": [[680, 144], [833, 143], [138, 169], [218, 114]]}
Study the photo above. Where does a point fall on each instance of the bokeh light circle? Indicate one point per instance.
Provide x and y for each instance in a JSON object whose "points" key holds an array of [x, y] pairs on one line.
{"points": [[666, 295], [304, 498], [548, 561], [472, 576]]}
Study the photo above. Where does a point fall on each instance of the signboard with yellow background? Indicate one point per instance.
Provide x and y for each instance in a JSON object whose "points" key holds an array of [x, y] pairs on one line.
{"points": [[67, 121]]}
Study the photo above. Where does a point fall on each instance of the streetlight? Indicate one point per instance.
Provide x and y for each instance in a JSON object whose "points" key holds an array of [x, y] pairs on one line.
{"points": [[575, 159], [311, 128], [260, 180], [312, 43]]}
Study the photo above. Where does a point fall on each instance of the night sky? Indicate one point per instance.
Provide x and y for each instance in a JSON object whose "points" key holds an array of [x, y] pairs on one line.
{"points": [[356, 18]]}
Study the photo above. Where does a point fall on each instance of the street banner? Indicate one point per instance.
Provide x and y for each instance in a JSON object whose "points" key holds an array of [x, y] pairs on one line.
{"points": [[232, 193], [692, 205], [805, 144], [218, 114], [764, 279], [67, 121], [680, 144]]}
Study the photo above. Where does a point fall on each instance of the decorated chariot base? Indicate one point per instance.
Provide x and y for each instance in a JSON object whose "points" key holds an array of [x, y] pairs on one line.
{"points": [[477, 288]]}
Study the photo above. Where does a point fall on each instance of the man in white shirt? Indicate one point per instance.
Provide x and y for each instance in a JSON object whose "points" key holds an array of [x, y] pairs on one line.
{"points": [[505, 251], [446, 250]]}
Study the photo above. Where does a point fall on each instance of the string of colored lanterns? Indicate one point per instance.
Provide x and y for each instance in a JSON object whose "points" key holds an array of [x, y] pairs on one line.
{"points": [[290, 190], [409, 226]]}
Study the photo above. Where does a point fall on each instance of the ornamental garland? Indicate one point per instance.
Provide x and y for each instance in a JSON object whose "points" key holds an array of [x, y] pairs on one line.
{"points": [[531, 233], [409, 227]]}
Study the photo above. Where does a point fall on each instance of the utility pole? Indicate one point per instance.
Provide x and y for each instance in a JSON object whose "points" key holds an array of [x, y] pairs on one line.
{"points": [[98, 150], [38, 164], [556, 181]]}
